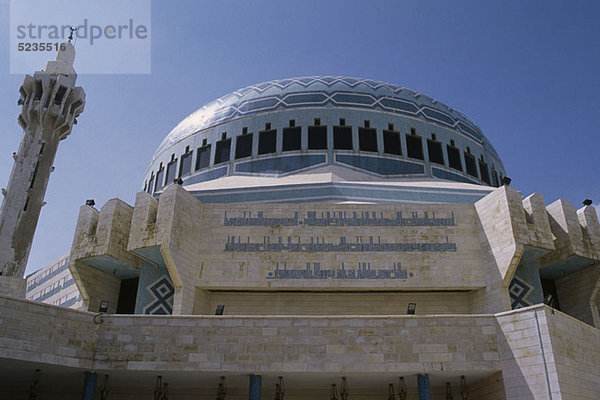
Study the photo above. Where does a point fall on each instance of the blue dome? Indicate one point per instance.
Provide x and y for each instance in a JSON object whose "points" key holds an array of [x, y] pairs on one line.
{"points": [[292, 131], [322, 91]]}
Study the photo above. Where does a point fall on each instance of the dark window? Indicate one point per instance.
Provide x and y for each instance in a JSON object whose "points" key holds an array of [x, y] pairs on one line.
{"points": [[292, 138], [367, 123], [414, 146], [292, 123], [38, 90], [342, 137], [60, 93], [496, 182], [159, 178], [185, 166], [454, 157], [203, 156], [434, 149], [171, 167], [391, 141], [342, 121], [485, 173], [222, 151], [317, 137], [470, 165], [243, 146], [151, 184], [367, 139], [267, 141]]}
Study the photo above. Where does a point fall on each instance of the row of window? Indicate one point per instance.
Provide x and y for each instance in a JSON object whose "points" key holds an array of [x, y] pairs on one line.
{"points": [[317, 140]]}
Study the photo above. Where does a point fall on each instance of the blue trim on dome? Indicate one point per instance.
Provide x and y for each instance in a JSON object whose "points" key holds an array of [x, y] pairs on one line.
{"points": [[281, 165], [321, 91]]}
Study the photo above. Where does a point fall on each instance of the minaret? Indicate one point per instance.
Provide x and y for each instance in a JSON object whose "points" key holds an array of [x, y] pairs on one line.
{"points": [[50, 105]]}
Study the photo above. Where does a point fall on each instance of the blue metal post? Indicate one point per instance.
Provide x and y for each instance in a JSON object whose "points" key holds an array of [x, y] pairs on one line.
{"points": [[89, 386], [423, 382], [255, 386]]}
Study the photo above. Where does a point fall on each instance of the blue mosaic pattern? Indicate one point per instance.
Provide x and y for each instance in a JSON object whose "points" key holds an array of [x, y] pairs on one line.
{"points": [[322, 91], [519, 291], [162, 292]]}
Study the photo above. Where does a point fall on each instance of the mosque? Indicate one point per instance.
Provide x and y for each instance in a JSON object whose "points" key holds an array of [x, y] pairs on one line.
{"points": [[321, 237]]}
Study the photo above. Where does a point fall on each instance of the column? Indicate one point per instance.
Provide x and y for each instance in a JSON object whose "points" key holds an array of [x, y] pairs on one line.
{"points": [[255, 386], [89, 386], [423, 383]]}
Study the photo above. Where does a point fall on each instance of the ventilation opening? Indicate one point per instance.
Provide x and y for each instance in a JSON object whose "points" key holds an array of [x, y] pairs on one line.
{"points": [[367, 138], [317, 137], [292, 138]]}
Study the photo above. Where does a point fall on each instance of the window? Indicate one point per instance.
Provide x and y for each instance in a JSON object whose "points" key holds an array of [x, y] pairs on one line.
{"points": [[222, 151], [414, 146], [267, 140], [485, 173], [434, 149], [454, 156], [317, 136], [171, 167], [160, 177], [185, 166], [243, 145], [151, 184], [495, 180], [470, 164], [391, 141], [367, 138], [342, 136], [292, 138], [203, 157]]}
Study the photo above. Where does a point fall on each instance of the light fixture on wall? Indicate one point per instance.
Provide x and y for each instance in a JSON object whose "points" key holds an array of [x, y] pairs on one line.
{"points": [[103, 306], [220, 309], [411, 308]]}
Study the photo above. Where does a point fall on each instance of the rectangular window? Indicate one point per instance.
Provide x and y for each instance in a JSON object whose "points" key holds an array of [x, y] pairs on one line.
{"points": [[454, 157], [292, 138], [391, 142], [485, 173], [434, 149], [317, 137], [159, 178], [203, 156], [171, 168], [367, 139], [243, 146], [222, 151], [342, 137], [496, 182], [470, 165], [185, 166], [267, 141], [414, 147]]}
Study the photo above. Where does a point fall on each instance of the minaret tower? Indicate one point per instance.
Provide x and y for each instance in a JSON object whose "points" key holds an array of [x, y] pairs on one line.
{"points": [[50, 105]]}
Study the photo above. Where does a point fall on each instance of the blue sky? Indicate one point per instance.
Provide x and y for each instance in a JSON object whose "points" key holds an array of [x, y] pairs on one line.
{"points": [[526, 71]]}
